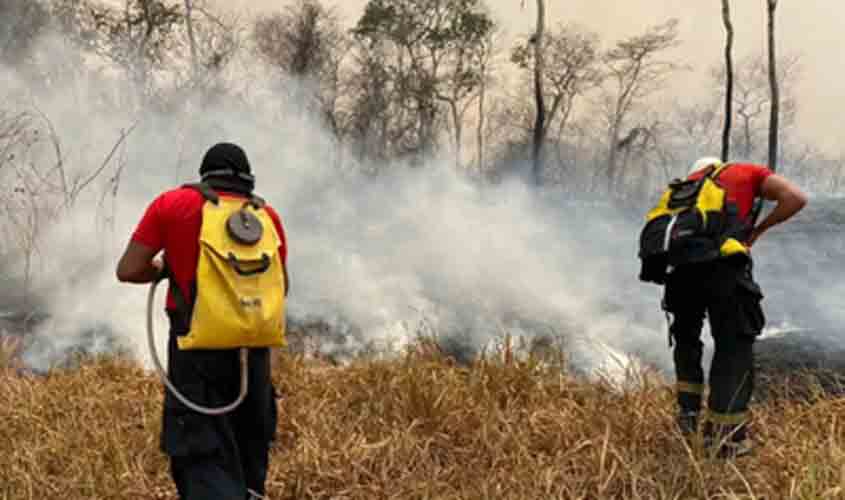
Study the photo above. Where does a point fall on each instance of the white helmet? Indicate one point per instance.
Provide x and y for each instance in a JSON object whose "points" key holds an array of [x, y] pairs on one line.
{"points": [[703, 163]]}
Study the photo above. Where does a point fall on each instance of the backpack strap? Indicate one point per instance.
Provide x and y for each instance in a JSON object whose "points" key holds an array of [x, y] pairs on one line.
{"points": [[207, 192], [257, 202], [184, 305], [210, 195]]}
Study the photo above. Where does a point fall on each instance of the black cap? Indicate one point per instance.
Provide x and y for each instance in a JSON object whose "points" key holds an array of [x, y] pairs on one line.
{"points": [[225, 165]]}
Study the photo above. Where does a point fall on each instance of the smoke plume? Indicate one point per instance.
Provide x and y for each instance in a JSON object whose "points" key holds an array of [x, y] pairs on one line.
{"points": [[372, 257]]}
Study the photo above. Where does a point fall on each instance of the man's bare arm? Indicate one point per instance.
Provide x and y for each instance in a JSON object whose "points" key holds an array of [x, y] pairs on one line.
{"points": [[790, 200], [138, 264]]}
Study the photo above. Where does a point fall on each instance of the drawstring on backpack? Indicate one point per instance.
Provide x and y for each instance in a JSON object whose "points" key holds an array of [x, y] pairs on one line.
{"points": [[669, 320], [669, 317]]}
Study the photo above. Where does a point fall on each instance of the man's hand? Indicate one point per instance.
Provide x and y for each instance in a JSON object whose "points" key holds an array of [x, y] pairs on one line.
{"points": [[752, 239], [755, 234], [160, 266], [790, 200]]}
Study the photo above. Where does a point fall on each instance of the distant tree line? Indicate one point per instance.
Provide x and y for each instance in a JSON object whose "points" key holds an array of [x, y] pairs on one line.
{"points": [[411, 79]]}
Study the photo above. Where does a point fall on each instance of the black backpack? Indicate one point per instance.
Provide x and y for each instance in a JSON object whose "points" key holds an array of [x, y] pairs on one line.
{"points": [[693, 222]]}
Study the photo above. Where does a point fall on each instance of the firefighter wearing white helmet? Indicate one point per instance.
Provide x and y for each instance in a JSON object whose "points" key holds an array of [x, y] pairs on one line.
{"points": [[696, 243]]}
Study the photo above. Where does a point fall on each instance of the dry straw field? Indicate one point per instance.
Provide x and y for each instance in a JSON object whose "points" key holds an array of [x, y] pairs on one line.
{"points": [[418, 427]]}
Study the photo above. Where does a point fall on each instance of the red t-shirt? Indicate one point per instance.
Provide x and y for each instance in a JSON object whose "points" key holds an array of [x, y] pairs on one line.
{"points": [[742, 182], [172, 223]]}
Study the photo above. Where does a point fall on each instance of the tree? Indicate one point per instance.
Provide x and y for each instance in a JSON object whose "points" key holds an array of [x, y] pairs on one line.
{"points": [[39, 191], [197, 67], [301, 39], [23, 22], [692, 127], [774, 109], [20, 223], [306, 42], [192, 39], [166, 49], [634, 72], [729, 79], [138, 38], [539, 97], [433, 47], [486, 61], [571, 70], [752, 100], [376, 120]]}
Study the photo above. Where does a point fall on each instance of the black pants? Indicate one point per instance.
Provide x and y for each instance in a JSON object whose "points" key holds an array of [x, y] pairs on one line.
{"points": [[218, 457], [726, 293]]}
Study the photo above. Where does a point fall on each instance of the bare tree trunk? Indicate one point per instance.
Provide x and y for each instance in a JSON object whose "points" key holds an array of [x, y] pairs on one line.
{"points": [[612, 158], [539, 67], [749, 146], [774, 120], [189, 24], [143, 75], [729, 79], [479, 132], [459, 131], [482, 119]]}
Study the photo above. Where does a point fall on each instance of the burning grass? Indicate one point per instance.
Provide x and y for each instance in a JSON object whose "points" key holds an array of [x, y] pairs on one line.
{"points": [[417, 427]]}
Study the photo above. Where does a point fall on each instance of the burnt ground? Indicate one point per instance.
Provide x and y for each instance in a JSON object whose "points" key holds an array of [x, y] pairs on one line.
{"points": [[802, 360], [802, 271]]}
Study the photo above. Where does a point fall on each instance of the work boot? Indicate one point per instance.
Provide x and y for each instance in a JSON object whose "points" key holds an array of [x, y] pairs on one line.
{"points": [[732, 440], [734, 449], [688, 423]]}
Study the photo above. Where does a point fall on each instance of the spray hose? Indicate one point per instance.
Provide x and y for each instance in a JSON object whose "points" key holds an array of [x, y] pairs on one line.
{"points": [[163, 375]]}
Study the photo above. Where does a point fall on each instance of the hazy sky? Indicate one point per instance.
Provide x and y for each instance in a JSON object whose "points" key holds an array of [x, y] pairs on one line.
{"points": [[813, 28]]}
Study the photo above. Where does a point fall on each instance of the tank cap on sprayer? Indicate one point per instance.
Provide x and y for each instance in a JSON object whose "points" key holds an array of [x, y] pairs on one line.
{"points": [[244, 227]]}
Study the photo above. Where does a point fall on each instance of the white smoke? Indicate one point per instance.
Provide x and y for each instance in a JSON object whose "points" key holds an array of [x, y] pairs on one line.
{"points": [[366, 254], [369, 252]]}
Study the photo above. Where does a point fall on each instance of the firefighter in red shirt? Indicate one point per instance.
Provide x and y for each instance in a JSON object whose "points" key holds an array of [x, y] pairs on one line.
{"points": [[726, 292], [222, 456]]}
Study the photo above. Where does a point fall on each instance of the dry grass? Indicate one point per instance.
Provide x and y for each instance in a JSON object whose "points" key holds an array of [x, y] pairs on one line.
{"points": [[10, 348], [418, 428]]}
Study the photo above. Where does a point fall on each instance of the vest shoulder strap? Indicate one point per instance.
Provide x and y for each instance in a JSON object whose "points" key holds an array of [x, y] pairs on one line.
{"points": [[716, 172]]}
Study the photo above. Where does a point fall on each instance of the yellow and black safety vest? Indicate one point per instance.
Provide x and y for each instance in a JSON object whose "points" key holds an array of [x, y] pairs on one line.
{"points": [[693, 222]]}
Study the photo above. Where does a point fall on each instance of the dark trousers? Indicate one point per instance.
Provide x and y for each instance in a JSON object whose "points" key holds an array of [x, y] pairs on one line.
{"points": [[725, 292], [218, 457]]}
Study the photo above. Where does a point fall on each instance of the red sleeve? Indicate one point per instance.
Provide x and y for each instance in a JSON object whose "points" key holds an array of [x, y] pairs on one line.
{"points": [[150, 231], [759, 174], [283, 245]]}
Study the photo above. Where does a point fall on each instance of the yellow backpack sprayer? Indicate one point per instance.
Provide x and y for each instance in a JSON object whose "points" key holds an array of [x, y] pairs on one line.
{"points": [[240, 299]]}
